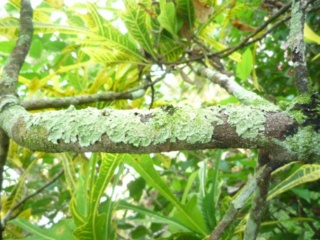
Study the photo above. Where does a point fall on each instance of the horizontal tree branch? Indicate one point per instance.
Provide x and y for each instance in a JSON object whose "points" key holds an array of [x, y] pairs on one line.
{"points": [[144, 131]]}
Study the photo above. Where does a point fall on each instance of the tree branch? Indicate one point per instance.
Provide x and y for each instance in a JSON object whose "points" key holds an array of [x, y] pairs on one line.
{"points": [[297, 45], [144, 131], [15, 61], [236, 205], [233, 88], [64, 102], [260, 197], [9, 78]]}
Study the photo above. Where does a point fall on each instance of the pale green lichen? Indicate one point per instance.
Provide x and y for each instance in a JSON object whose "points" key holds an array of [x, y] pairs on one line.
{"points": [[248, 122], [297, 114], [139, 128], [304, 144], [185, 124]]}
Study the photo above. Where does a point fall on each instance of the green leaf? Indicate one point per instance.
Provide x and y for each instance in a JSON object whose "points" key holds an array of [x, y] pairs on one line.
{"points": [[94, 227], [60, 231], [36, 48], [79, 204], [169, 49], [193, 210], [186, 11], [138, 24], [209, 203], [310, 35], [167, 17], [6, 46], [306, 173], [244, 68], [156, 217], [136, 188], [143, 165], [69, 171]]}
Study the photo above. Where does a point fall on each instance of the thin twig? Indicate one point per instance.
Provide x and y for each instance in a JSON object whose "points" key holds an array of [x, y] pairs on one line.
{"points": [[228, 51], [260, 198], [236, 205], [93, 98], [8, 216]]}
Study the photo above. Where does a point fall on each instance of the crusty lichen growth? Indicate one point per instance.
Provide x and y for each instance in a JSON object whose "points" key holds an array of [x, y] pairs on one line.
{"points": [[248, 122], [296, 113], [304, 144], [139, 128], [184, 124]]}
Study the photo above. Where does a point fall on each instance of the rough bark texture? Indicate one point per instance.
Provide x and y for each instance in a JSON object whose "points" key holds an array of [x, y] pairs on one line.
{"points": [[144, 131]]}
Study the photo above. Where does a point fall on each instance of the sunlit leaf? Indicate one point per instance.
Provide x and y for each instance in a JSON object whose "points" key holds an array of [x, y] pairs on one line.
{"points": [[94, 228], [143, 165], [137, 21], [310, 35], [244, 68], [62, 230], [185, 10], [167, 17], [306, 173]]}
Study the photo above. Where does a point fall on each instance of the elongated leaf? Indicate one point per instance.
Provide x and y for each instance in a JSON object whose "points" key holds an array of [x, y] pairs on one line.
{"points": [[167, 17], [209, 206], [69, 171], [93, 228], [193, 210], [137, 21], [310, 35], [244, 68], [109, 56], [60, 231], [79, 204], [143, 165], [186, 11], [219, 46], [306, 173], [156, 217], [93, 19]]}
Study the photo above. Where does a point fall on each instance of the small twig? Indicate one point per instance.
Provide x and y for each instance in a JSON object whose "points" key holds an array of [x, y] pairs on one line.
{"points": [[274, 26], [259, 201], [236, 205], [228, 51], [77, 100], [8, 216]]}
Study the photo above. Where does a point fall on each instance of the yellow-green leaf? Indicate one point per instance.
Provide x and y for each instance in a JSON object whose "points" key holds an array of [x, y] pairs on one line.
{"points": [[306, 173]]}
